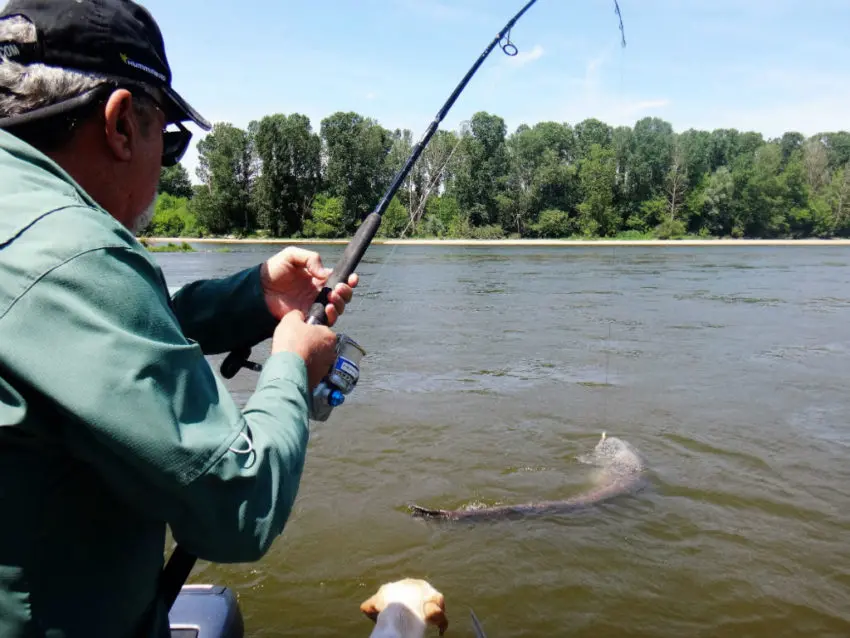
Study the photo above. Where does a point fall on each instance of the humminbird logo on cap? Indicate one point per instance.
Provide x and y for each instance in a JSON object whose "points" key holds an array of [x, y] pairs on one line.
{"points": [[9, 50], [142, 67]]}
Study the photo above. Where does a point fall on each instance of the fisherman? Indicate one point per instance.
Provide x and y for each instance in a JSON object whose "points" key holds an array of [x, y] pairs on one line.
{"points": [[112, 422]]}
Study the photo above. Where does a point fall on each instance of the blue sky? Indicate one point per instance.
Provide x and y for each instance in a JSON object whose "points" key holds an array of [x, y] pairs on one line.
{"points": [[763, 65]]}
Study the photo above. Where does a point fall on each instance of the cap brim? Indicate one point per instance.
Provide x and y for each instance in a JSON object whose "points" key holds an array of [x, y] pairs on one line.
{"points": [[183, 109]]}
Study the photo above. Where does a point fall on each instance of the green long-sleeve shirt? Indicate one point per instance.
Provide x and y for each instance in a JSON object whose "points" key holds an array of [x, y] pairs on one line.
{"points": [[112, 422]]}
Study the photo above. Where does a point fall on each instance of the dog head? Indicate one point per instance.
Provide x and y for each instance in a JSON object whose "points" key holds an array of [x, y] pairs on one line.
{"points": [[417, 595]]}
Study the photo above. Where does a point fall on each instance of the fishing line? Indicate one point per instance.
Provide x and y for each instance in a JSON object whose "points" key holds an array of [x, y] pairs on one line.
{"points": [[509, 49], [432, 184], [181, 562], [607, 387], [614, 247], [375, 278]]}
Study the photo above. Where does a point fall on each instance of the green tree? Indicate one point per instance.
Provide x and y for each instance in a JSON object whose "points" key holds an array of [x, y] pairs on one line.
{"points": [[434, 170], [395, 219], [327, 219], [445, 215], [838, 147], [723, 147], [789, 143], [172, 218], [526, 147], [226, 169], [290, 156], [717, 202], [677, 184], [839, 200], [552, 223], [749, 143], [589, 132], [597, 215], [355, 150], [556, 184], [696, 148], [652, 150], [482, 168], [412, 191], [763, 202], [174, 180], [816, 163], [541, 173]]}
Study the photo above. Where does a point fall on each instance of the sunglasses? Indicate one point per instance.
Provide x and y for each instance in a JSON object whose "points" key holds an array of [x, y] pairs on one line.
{"points": [[174, 143]]}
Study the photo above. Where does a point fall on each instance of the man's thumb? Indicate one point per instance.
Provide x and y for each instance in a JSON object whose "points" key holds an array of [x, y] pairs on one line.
{"points": [[295, 315]]}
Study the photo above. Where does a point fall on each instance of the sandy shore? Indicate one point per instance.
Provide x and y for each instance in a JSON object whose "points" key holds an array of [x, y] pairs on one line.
{"points": [[523, 242]]}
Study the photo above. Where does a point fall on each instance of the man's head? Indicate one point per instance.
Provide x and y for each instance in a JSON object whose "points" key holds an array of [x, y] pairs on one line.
{"points": [[87, 82]]}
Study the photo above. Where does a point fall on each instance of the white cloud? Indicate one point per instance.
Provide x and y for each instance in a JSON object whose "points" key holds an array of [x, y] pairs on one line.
{"points": [[611, 110], [588, 97], [804, 115], [645, 105], [524, 57], [438, 10], [780, 100]]}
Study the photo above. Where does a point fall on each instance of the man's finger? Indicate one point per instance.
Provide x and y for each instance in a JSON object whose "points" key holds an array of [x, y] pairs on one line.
{"points": [[308, 259], [331, 314], [343, 292], [338, 300], [294, 315]]}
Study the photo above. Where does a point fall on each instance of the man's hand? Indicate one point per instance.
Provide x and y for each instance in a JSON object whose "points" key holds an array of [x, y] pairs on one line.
{"points": [[294, 277], [315, 344]]}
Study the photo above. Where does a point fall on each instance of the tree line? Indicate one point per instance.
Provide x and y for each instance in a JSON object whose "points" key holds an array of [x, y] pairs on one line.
{"points": [[280, 178]]}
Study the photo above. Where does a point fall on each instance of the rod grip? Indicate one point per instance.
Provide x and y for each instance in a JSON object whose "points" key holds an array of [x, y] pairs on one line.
{"points": [[345, 266]]}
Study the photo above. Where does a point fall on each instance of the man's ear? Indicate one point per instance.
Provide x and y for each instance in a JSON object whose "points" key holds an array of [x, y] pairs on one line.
{"points": [[120, 126]]}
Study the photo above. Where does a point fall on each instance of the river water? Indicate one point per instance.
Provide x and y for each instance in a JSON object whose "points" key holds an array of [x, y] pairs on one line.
{"points": [[490, 369]]}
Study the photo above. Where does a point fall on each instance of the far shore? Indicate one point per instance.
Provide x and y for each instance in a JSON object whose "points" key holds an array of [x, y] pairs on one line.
{"points": [[519, 242]]}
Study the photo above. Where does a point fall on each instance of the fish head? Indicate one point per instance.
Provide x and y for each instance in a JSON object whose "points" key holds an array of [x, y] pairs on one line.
{"points": [[616, 454]]}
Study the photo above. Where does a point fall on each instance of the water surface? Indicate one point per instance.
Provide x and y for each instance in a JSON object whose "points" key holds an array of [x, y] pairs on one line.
{"points": [[490, 369]]}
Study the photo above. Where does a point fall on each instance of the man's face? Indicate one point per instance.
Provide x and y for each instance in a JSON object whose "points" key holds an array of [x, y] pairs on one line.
{"points": [[141, 221], [148, 163]]}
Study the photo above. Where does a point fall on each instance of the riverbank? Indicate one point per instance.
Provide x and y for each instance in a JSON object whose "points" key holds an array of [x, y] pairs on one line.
{"points": [[520, 242]]}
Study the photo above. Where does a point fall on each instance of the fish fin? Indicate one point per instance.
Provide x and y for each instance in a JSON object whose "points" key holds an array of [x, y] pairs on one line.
{"points": [[424, 512]]}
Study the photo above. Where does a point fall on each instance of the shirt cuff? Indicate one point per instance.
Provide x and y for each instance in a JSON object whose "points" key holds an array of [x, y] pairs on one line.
{"points": [[285, 366], [264, 322]]}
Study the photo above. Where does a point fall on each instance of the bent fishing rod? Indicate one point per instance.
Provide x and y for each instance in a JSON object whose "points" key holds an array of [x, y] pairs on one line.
{"points": [[356, 248], [181, 562]]}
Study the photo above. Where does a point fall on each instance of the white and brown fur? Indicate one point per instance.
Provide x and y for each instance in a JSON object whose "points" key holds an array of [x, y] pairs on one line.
{"points": [[405, 608]]}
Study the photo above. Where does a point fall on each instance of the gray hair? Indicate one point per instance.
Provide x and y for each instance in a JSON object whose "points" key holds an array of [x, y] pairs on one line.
{"points": [[25, 88]]}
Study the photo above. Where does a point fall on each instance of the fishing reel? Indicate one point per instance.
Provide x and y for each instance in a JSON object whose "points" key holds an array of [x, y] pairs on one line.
{"points": [[331, 391], [340, 380]]}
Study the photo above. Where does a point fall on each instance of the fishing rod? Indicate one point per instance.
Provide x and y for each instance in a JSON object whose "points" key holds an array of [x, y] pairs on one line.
{"points": [[339, 382], [356, 248], [181, 562]]}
